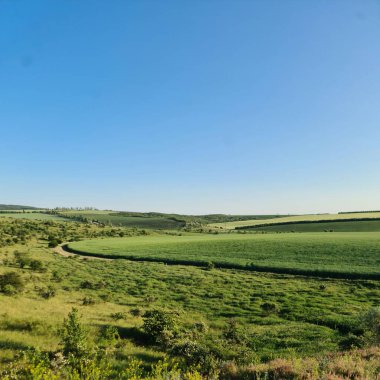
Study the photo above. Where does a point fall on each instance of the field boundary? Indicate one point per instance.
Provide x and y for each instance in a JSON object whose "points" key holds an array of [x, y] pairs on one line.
{"points": [[220, 265]]}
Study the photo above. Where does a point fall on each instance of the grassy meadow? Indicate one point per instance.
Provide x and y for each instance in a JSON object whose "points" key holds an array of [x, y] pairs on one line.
{"points": [[255, 322], [31, 216], [345, 253]]}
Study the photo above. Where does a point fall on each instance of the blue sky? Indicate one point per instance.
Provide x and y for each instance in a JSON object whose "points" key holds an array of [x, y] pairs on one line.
{"points": [[191, 106]]}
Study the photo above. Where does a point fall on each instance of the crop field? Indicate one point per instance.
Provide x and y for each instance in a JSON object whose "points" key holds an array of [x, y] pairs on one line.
{"points": [[342, 226], [318, 253], [297, 219], [309, 316]]}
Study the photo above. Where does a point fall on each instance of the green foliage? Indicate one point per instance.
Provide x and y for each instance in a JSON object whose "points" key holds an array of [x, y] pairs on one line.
{"points": [[269, 308], [231, 332], [22, 259], [158, 324], [118, 316], [88, 301], [36, 265], [48, 292], [11, 283], [74, 336], [109, 336], [53, 241], [371, 322]]}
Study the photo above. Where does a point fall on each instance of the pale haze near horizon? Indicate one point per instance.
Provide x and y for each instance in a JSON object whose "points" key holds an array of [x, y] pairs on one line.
{"points": [[200, 107]]}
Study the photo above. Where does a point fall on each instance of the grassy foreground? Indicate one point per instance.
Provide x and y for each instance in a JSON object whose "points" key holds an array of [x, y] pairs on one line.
{"points": [[221, 323], [350, 254]]}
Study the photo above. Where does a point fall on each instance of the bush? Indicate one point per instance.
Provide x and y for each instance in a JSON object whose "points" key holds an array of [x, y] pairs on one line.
{"points": [[109, 335], [118, 315], [73, 336], [193, 353], [269, 308], [54, 241], [22, 259], [13, 279], [36, 265], [9, 290], [371, 323], [47, 293], [136, 312], [200, 327], [231, 332], [157, 323], [88, 301]]}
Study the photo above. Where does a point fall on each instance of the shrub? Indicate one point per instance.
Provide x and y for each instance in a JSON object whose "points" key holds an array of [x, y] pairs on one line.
{"points": [[200, 327], [88, 301], [118, 315], [157, 323], [371, 323], [22, 259], [231, 331], [193, 353], [36, 265], [47, 293], [73, 336], [136, 312], [53, 241], [109, 335], [269, 308], [13, 279], [9, 290], [56, 276]]}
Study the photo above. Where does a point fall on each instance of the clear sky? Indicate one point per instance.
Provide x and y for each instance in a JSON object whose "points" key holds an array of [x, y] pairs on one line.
{"points": [[191, 106]]}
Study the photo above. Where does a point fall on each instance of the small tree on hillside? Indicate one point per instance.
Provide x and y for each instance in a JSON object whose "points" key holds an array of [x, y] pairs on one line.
{"points": [[157, 323], [73, 336]]}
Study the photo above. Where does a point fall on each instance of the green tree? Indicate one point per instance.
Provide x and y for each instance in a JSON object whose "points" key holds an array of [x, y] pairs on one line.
{"points": [[371, 322], [157, 323], [74, 336]]}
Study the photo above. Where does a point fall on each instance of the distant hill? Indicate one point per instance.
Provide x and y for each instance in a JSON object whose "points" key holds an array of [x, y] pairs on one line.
{"points": [[16, 208]]}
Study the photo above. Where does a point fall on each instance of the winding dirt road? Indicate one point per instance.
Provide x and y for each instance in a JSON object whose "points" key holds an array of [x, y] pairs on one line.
{"points": [[60, 250]]}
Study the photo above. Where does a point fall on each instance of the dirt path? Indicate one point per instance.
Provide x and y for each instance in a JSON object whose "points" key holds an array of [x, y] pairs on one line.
{"points": [[60, 250]]}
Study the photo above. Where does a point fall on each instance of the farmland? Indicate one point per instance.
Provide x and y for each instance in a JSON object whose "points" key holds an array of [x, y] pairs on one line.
{"points": [[334, 226], [345, 253], [247, 316], [357, 216]]}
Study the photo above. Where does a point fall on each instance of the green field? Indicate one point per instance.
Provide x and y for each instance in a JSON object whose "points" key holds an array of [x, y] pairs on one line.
{"points": [[327, 253], [343, 226], [277, 315], [31, 216], [296, 219]]}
